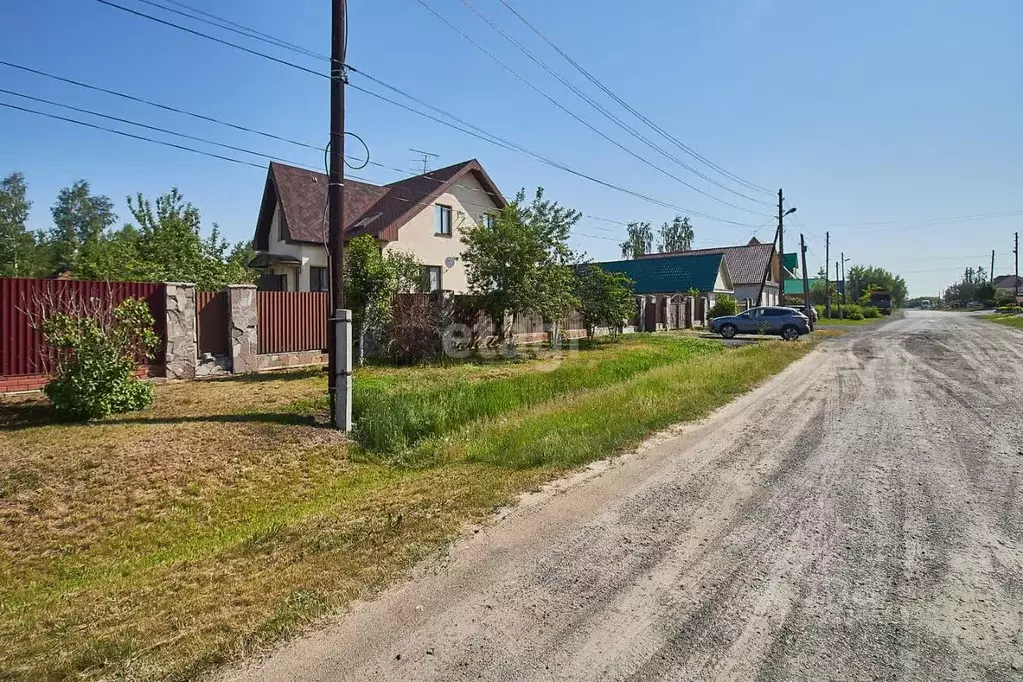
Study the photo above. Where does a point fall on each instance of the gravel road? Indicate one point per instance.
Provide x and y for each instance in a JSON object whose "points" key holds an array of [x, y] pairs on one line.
{"points": [[856, 518]]}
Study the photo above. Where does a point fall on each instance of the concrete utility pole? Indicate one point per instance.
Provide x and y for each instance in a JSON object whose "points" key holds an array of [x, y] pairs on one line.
{"points": [[844, 287], [339, 327], [781, 248], [841, 313], [827, 274], [992, 273], [806, 280]]}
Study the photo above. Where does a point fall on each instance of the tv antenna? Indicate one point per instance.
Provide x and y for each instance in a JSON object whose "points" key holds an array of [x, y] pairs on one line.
{"points": [[425, 160]]}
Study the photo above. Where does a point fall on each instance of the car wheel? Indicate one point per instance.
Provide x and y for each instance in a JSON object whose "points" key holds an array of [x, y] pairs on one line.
{"points": [[728, 331], [790, 333]]}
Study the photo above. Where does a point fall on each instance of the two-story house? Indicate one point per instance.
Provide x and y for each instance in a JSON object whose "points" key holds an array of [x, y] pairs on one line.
{"points": [[423, 215]]}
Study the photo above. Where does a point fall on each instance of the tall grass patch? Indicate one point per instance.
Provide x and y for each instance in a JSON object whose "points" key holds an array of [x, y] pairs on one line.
{"points": [[390, 421]]}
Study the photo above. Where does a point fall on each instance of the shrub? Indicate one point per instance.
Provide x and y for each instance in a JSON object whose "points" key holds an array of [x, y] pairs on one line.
{"points": [[724, 305], [96, 349], [871, 312]]}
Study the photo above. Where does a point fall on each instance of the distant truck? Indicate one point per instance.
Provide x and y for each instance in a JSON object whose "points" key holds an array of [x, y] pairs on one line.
{"points": [[882, 300]]}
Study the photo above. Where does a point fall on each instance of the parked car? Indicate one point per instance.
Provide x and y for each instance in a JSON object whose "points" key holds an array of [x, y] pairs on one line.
{"points": [[784, 322]]}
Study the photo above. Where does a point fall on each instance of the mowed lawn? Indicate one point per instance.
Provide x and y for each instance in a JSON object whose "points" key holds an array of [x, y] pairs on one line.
{"points": [[157, 545]]}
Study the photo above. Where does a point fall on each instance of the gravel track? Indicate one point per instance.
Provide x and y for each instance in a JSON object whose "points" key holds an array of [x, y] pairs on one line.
{"points": [[858, 517]]}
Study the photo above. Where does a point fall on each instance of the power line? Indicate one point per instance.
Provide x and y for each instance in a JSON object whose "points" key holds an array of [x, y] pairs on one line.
{"points": [[603, 110], [925, 222], [593, 79], [482, 134], [221, 41], [575, 116], [131, 135]]}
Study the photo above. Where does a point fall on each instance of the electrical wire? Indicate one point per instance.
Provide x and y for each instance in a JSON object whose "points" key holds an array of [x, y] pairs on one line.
{"points": [[481, 134], [221, 41], [593, 79], [599, 107], [578, 118]]}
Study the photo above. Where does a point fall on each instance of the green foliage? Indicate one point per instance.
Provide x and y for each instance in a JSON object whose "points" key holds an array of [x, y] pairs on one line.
{"points": [[640, 240], [521, 263], [676, 236], [370, 285], [408, 272], [390, 420], [80, 220], [724, 305], [871, 312], [863, 278], [605, 299], [19, 251], [96, 352]]}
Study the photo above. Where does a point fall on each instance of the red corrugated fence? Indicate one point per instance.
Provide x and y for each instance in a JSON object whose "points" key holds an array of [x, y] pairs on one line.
{"points": [[290, 321], [24, 358]]}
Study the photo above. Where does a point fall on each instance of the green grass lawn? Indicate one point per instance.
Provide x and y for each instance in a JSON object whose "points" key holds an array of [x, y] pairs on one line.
{"points": [[1008, 320], [157, 545]]}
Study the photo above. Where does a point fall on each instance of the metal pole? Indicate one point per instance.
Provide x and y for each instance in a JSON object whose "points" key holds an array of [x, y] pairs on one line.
{"points": [[339, 325], [781, 248], [841, 312], [806, 280], [845, 287], [827, 275]]}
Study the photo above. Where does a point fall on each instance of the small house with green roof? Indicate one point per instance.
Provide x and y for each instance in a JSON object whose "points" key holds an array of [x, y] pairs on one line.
{"points": [[675, 274]]}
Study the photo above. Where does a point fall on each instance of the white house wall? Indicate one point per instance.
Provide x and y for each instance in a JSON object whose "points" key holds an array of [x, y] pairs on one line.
{"points": [[311, 255], [418, 236]]}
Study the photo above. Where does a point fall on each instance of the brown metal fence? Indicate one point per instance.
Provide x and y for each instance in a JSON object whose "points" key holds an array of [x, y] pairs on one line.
{"points": [[23, 351], [211, 312], [290, 321]]}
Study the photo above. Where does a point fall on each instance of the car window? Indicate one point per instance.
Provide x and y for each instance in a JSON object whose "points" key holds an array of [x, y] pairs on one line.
{"points": [[775, 312]]}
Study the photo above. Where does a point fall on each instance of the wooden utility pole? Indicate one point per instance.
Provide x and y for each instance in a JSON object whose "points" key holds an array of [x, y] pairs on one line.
{"points": [[806, 280], [781, 248], [992, 273], [1015, 252], [827, 275], [844, 286], [339, 334]]}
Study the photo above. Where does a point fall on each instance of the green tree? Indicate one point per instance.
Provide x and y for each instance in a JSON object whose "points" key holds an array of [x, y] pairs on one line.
{"points": [[640, 240], [863, 278], [676, 235], [370, 285], [606, 299], [521, 263], [408, 272], [724, 305], [80, 219], [18, 248]]}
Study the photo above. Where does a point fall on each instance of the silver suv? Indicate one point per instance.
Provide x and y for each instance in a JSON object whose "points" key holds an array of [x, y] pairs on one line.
{"points": [[784, 322]]}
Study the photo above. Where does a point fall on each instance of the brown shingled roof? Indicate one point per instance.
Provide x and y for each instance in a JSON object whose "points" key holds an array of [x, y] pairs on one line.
{"points": [[303, 196], [746, 263]]}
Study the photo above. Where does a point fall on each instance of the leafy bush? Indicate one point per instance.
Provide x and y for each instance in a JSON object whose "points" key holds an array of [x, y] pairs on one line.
{"points": [[724, 305], [605, 299], [96, 350], [871, 312]]}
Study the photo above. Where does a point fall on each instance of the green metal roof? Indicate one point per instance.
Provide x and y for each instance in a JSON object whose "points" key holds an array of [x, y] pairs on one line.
{"points": [[791, 262], [669, 274]]}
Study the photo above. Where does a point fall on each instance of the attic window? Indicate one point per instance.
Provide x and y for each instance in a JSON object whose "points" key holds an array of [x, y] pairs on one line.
{"points": [[366, 221]]}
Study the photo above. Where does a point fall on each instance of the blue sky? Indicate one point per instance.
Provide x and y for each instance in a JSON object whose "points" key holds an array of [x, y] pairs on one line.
{"points": [[863, 112]]}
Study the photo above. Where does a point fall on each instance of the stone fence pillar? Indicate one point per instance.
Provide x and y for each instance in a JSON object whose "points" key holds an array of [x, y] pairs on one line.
{"points": [[241, 305], [182, 342], [689, 311], [641, 322]]}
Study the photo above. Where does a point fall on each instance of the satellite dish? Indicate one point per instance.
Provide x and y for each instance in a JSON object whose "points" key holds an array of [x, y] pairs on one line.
{"points": [[449, 262]]}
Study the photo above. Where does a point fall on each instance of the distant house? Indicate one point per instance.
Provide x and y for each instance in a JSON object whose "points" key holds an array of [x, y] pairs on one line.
{"points": [[673, 274], [746, 266], [423, 215], [1008, 282]]}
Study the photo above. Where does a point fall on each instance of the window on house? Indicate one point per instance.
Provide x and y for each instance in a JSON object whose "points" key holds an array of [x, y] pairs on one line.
{"points": [[489, 219], [318, 279], [431, 278], [443, 219]]}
